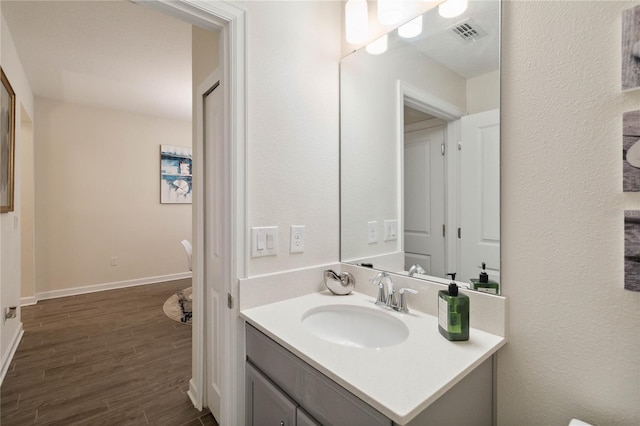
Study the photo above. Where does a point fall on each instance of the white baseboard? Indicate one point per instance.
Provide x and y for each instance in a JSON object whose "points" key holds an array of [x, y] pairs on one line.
{"points": [[11, 352], [26, 301], [53, 294], [194, 395]]}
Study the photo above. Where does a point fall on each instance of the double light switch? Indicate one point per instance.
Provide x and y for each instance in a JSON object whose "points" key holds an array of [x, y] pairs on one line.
{"points": [[264, 241]]}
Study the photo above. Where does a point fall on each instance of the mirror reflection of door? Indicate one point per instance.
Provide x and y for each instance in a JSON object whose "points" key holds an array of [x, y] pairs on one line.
{"points": [[479, 208], [424, 192]]}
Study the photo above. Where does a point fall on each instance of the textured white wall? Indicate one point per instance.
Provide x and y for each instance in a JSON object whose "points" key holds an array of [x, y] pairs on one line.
{"points": [[292, 98], [574, 333], [98, 195]]}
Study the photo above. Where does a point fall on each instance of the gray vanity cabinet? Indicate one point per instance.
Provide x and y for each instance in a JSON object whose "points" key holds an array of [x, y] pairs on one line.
{"points": [[266, 404], [294, 385], [303, 419], [281, 387]]}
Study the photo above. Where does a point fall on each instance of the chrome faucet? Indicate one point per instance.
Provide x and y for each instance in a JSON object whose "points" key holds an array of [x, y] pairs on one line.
{"points": [[392, 302], [388, 298], [416, 269], [378, 280]]}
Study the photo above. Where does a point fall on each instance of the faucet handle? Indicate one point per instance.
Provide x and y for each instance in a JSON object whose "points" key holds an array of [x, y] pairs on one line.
{"points": [[403, 300]]}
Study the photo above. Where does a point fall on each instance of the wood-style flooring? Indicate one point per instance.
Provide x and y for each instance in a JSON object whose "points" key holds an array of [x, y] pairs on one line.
{"points": [[107, 358]]}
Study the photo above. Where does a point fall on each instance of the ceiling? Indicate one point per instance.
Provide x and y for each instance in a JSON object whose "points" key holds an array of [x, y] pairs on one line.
{"points": [[112, 53], [468, 59]]}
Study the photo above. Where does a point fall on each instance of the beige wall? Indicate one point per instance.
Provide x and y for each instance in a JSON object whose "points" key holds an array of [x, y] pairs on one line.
{"points": [[205, 56], [27, 212], [574, 333], [483, 92], [10, 222], [97, 196]]}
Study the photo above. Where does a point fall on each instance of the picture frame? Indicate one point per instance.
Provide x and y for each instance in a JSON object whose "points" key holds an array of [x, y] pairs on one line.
{"points": [[630, 53], [7, 144], [176, 174]]}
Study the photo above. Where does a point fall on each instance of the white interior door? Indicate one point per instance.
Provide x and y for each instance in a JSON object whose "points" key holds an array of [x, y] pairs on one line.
{"points": [[480, 195], [216, 237], [424, 200]]}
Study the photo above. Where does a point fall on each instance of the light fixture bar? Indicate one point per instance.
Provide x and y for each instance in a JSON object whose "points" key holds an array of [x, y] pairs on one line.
{"points": [[356, 17], [452, 8], [389, 11]]}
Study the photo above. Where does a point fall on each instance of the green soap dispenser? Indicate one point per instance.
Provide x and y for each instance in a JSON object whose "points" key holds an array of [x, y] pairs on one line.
{"points": [[484, 284], [453, 312]]}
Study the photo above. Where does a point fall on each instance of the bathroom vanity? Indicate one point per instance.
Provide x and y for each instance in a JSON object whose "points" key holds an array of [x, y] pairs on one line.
{"points": [[297, 374]]}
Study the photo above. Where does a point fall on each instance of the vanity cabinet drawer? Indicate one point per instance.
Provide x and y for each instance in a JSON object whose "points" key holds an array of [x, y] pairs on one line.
{"points": [[322, 398]]}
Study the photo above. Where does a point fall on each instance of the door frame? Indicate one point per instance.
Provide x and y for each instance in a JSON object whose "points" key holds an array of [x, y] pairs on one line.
{"points": [[230, 21], [420, 100]]}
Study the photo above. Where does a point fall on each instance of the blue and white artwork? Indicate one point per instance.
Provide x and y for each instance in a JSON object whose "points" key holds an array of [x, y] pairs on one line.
{"points": [[176, 167]]}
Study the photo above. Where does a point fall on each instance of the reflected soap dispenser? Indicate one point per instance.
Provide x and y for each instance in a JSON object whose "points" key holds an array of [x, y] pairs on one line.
{"points": [[484, 284], [453, 312]]}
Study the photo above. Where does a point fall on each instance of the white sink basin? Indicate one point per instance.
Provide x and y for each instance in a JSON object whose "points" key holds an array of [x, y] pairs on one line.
{"points": [[355, 326]]}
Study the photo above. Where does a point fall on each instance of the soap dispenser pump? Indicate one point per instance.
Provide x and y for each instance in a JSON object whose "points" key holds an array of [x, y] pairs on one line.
{"points": [[453, 312], [484, 284]]}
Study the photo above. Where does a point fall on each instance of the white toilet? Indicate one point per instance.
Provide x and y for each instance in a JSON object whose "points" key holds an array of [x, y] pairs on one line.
{"points": [[576, 422]]}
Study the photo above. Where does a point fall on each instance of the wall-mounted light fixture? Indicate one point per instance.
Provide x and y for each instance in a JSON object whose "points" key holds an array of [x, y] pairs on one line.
{"points": [[389, 11], [378, 46], [452, 8], [411, 29], [356, 17]]}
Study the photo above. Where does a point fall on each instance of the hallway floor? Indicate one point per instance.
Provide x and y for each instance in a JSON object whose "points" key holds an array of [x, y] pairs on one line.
{"points": [[107, 358]]}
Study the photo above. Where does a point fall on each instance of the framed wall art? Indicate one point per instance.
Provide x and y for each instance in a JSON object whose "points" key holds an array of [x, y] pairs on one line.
{"points": [[7, 144], [632, 250], [631, 49], [176, 163], [631, 151]]}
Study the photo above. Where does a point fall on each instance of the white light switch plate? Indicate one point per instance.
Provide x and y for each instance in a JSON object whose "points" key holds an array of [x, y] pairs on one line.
{"points": [[390, 230], [264, 241]]}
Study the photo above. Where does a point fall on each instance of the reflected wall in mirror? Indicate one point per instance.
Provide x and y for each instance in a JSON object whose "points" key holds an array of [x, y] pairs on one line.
{"points": [[420, 149]]}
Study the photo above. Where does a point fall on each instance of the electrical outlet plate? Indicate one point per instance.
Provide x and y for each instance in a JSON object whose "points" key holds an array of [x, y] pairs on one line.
{"points": [[372, 231], [297, 239], [264, 241]]}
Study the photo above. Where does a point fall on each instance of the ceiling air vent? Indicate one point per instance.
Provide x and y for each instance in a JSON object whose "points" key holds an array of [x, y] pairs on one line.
{"points": [[467, 31]]}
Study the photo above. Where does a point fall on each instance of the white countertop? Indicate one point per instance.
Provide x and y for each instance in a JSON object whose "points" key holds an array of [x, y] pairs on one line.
{"points": [[399, 381]]}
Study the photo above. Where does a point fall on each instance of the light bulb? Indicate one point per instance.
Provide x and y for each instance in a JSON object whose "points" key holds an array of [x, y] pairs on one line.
{"points": [[452, 8], [378, 46], [389, 11], [411, 29], [356, 21]]}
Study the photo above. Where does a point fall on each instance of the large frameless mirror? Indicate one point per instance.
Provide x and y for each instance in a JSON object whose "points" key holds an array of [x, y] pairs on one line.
{"points": [[420, 149]]}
